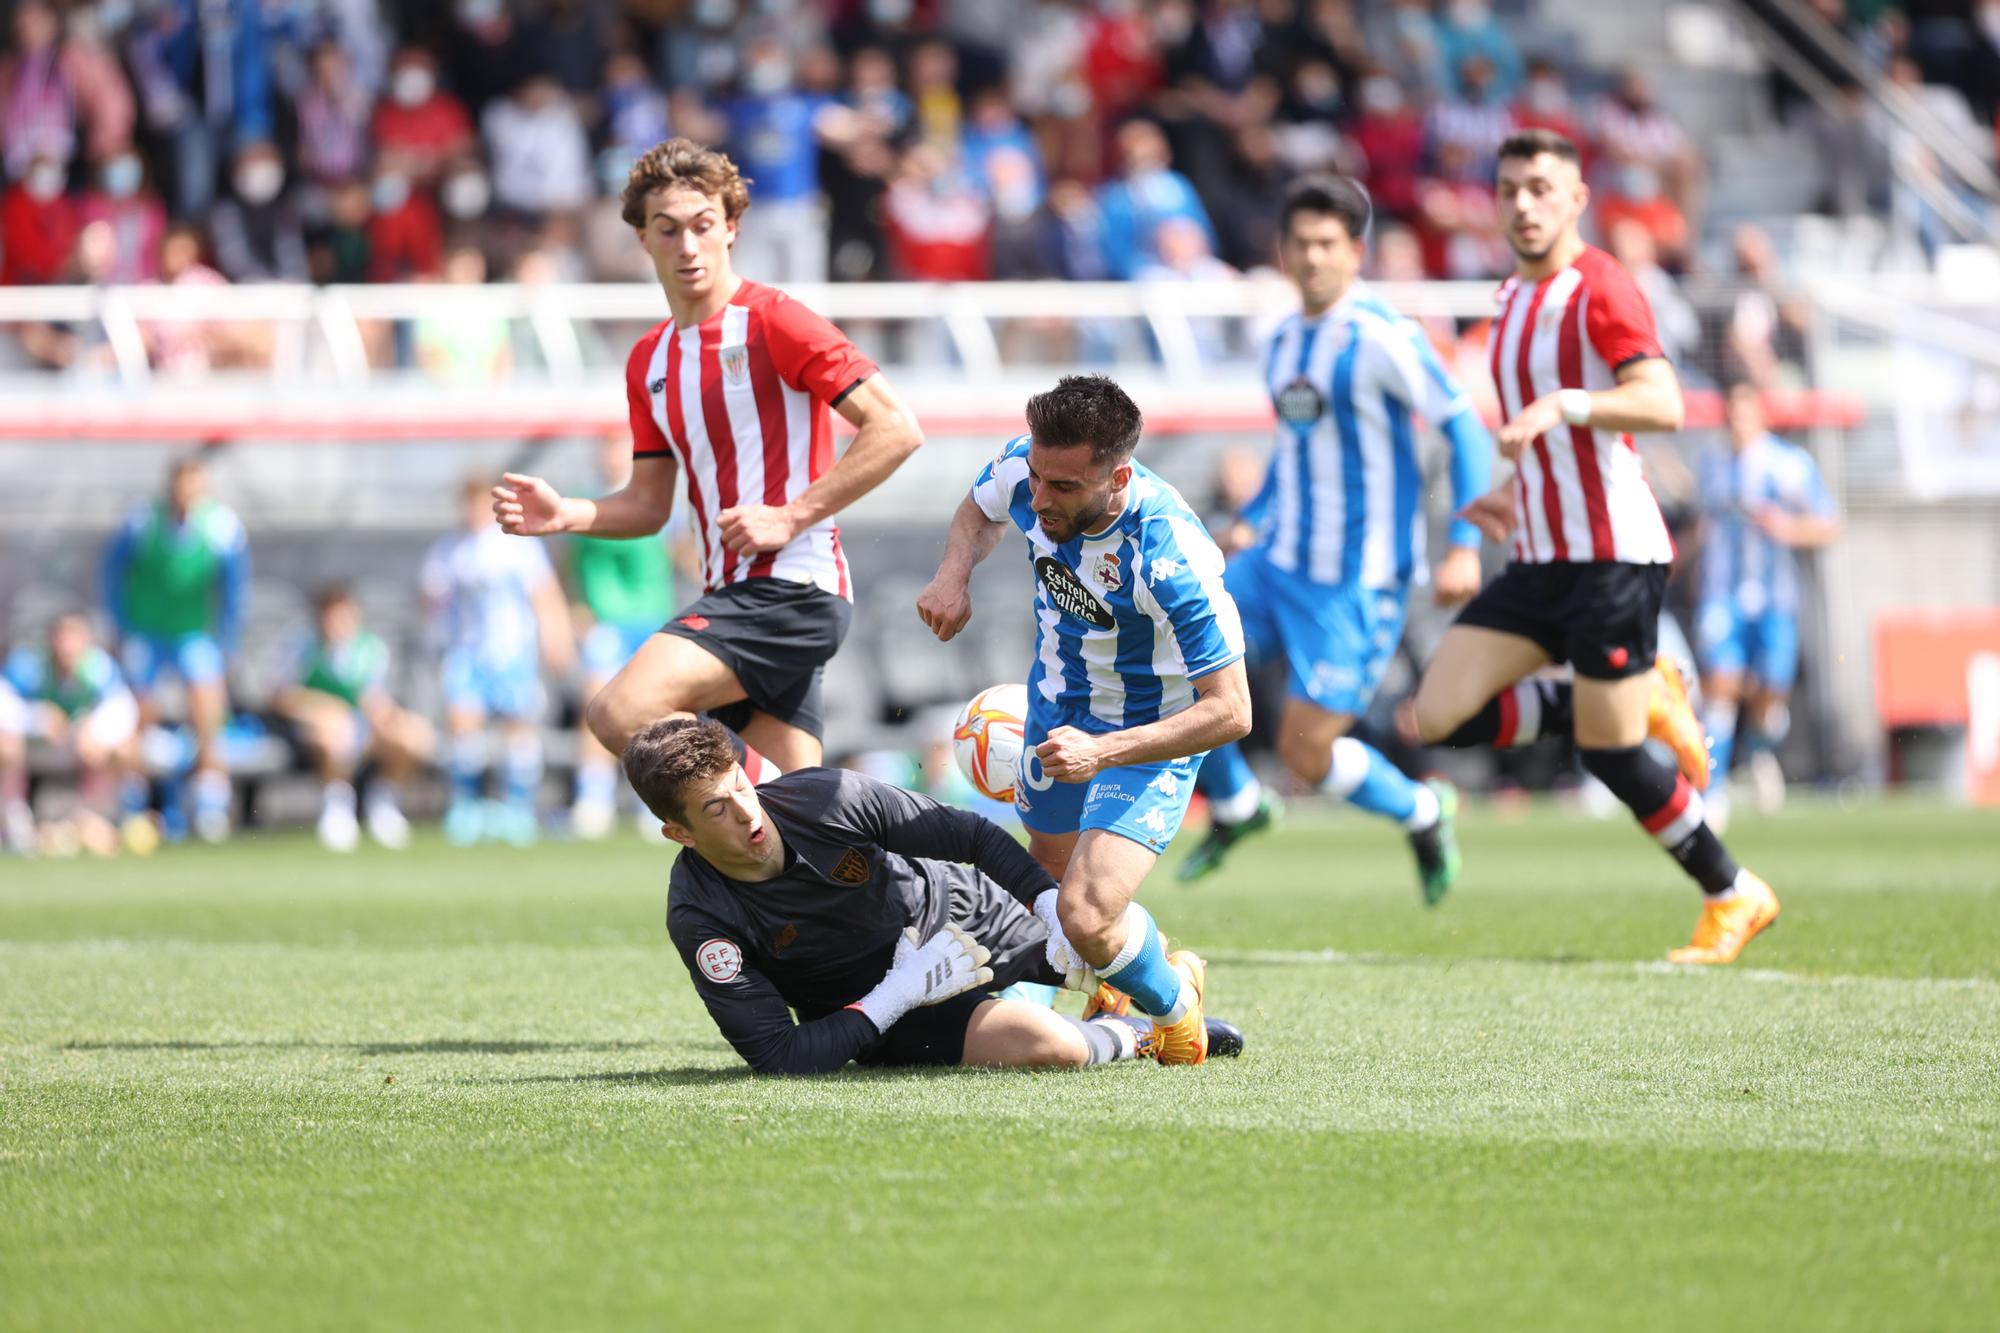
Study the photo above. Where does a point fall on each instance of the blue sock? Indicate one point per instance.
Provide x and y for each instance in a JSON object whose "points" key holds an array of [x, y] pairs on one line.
{"points": [[1360, 776], [522, 767], [1231, 788], [134, 795], [1142, 971], [1719, 721], [465, 756]]}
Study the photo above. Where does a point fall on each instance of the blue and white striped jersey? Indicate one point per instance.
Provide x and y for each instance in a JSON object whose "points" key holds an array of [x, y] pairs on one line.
{"points": [[1739, 562], [1345, 488], [481, 587], [1126, 617]]}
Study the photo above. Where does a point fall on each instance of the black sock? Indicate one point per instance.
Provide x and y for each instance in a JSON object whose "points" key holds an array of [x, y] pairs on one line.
{"points": [[1521, 714], [1669, 809]]}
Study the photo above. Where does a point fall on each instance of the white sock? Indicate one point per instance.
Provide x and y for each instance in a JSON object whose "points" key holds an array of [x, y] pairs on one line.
{"points": [[338, 795], [1426, 812], [1729, 894], [1237, 807]]}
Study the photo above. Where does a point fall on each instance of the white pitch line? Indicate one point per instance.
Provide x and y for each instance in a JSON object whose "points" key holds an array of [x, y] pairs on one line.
{"points": [[1650, 967]]}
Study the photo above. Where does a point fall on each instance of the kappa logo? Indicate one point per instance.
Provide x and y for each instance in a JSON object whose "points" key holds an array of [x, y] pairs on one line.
{"points": [[736, 364], [852, 868], [719, 960], [1067, 593], [1166, 784], [1164, 567], [1154, 822]]}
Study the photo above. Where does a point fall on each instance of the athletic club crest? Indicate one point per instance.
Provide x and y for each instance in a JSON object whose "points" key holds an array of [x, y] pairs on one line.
{"points": [[1107, 572], [736, 364]]}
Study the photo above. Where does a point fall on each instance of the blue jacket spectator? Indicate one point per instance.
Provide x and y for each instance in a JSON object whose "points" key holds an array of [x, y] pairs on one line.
{"points": [[1148, 193]]}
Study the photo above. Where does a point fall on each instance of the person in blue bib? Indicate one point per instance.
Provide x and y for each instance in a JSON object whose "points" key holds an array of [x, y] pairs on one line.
{"points": [[1138, 672]]}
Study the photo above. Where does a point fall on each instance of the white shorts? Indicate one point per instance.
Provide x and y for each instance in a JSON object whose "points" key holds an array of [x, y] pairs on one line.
{"points": [[111, 723], [13, 712]]}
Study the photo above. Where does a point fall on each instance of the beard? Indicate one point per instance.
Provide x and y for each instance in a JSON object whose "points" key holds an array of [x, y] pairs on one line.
{"points": [[1531, 255], [1075, 524]]}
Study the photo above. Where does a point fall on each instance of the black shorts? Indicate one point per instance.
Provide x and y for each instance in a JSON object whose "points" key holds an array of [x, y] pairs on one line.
{"points": [[777, 636], [1600, 616], [932, 1035]]}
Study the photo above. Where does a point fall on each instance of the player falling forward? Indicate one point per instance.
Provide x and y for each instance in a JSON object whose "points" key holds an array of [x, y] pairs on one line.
{"points": [[1138, 671], [877, 915], [1340, 534], [734, 390], [1761, 500], [1578, 366]]}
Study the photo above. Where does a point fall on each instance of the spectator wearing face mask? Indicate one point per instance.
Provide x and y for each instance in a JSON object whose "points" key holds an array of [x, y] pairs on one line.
{"points": [[1467, 28], [123, 199], [1543, 103], [1146, 193], [203, 73], [1390, 138], [936, 219], [1644, 153], [258, 232], [405, 233], [418, 125], [773, 140], [539, 151], [488, 54], [38, 226], [1475, 119], [61, 97]]}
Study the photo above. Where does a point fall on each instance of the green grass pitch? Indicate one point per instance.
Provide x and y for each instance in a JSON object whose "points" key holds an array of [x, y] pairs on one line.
{"points": [[264, 1087]]}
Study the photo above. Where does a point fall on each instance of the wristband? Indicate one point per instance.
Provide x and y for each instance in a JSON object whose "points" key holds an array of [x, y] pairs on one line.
{"points": [[1575, 404]]}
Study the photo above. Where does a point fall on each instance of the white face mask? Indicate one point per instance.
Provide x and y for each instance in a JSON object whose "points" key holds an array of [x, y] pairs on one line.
{"points": [[714, 13], [1546, 95], [466, 195], [412, 85], [766, 77], [259, 182], [890, 11], [391, 192], [473, 13], [1381, 96], [121, 176], [44, 181]]}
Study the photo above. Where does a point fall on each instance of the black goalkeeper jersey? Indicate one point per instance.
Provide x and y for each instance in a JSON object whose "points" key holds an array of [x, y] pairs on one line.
{"points": [[863, 860]]}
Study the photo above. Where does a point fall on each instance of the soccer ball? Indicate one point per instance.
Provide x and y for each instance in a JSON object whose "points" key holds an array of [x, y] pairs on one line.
{"points": [[986, 739]]}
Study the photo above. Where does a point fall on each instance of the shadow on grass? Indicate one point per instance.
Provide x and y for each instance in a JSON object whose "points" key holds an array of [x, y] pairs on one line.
{"points": [[435, 1046]]}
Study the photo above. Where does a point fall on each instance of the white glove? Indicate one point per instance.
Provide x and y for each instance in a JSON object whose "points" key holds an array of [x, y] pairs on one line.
{"points": [[1062, 956], [949, 963]]}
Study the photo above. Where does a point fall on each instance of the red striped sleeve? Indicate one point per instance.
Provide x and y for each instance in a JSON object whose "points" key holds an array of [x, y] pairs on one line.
{"points": [[647, 442]]}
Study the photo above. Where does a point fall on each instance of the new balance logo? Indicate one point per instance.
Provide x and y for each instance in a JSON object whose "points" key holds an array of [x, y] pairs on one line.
{"points": [[657, 385]]}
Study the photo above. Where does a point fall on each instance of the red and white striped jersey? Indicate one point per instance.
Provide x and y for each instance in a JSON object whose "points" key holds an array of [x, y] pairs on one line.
{"points": [[1580, 493], [741, 401]]}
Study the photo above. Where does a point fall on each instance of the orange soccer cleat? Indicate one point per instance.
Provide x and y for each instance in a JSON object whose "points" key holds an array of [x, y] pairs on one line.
{"points": [[1186, 1042], [1724, 927], [1670, 720]]}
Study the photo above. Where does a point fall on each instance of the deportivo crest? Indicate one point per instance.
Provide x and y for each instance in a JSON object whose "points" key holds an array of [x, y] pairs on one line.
{"points": [[852, 868], [1300, 403], [736, 364], [719, 960], [1067, 593], [1107, 572]]}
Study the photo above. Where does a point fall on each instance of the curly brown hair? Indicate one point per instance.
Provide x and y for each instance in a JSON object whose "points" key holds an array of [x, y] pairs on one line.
{"points": [[673, 754], [685, 162]]}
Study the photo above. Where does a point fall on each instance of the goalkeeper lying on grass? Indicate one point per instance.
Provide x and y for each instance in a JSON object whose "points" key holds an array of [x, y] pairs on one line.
{"points": [[880, 917]]}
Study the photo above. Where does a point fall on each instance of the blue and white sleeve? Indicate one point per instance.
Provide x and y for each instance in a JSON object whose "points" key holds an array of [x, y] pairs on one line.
{"points": [[1183, 578], [1811, 495], [993, 490], [1419, 379]]}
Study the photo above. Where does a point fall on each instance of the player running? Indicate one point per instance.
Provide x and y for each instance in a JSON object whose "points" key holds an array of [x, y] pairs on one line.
{"points": [[1761, 500], [733, 390], [336, 697], [1138, 672], [1340, 534], [499, 615], [878, 916], [176, 581], [1578, 366], [72, 698]]}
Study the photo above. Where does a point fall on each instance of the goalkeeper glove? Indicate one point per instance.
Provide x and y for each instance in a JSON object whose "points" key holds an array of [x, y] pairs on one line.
{"points": [[949, 963], [1062, 956]]}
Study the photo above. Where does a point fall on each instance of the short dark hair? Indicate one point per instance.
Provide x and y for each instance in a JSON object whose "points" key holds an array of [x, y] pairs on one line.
{"points": [[1087, 409], [1334, 196], [332, 594], [670, 755], [1533, 143]]}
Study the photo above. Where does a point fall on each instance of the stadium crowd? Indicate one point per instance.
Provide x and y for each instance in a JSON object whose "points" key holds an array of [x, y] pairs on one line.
{"points": [[233, 141]]}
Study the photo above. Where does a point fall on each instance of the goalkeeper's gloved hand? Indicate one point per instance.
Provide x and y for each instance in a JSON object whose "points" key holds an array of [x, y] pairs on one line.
{"points": [[1063, 958], [949, 963]]}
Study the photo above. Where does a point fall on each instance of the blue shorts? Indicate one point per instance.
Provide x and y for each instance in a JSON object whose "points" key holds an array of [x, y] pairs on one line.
{"points": [[608, 647], [195, 658], [1337, 639], [1143, 802], [1765, 645], [496, 689]]}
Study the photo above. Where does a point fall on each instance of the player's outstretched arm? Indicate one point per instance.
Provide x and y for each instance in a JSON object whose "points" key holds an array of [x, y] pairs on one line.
{"points": [[946, 603], [527, 506], [1219, 714], [886, 433]]}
